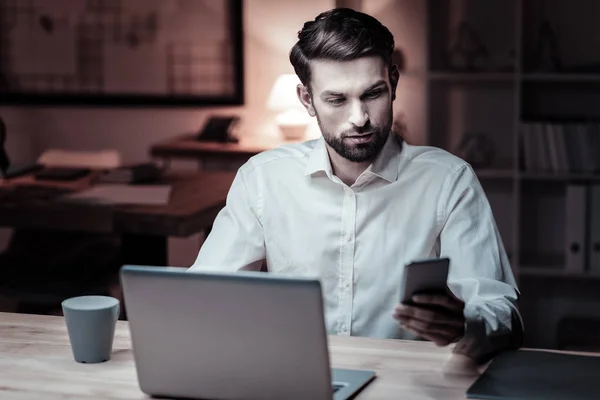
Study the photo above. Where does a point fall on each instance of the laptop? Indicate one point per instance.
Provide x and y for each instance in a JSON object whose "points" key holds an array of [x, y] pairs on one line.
{"points": [[243, 335]]}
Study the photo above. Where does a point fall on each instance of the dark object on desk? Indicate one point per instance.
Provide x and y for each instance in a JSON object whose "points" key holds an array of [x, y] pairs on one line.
{"points": [[528, 374], [8, 170], [138, 173], [4, 160], [16, 170], [219, 129], [61, 173]]}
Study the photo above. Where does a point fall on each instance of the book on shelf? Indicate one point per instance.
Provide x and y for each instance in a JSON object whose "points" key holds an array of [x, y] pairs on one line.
{"points": [[560, 148]]}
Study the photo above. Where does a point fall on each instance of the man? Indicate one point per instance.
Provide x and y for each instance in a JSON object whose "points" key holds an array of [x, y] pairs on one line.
{"points": [[355, 206]]}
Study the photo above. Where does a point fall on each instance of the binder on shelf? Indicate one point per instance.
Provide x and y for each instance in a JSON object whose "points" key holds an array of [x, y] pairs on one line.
{"points": [[575, 228], [594, 230]]}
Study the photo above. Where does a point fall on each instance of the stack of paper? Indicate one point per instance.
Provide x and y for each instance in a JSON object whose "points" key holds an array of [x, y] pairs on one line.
{"points": [[103, 159]]}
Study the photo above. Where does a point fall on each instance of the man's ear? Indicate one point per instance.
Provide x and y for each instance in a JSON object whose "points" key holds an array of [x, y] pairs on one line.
{"points": [[305, 99], [394, 77]]}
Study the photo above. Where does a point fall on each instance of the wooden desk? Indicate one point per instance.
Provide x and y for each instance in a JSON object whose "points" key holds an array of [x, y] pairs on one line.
{"points": [[37, 363], [213, 155], [195, 200]]}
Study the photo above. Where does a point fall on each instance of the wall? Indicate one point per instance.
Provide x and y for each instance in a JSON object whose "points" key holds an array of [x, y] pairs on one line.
{"points": [[406, 19], [270, 31], [270, 27]]}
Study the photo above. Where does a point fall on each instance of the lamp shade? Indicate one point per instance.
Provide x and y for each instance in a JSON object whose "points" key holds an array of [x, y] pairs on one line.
{"points": [[283, 95]]}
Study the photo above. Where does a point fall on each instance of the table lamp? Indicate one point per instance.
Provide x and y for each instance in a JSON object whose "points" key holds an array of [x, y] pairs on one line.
{"points": [[292, 119]]}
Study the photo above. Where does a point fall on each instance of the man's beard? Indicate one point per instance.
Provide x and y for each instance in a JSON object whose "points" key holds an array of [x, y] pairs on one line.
{"points": [[359, 152]]}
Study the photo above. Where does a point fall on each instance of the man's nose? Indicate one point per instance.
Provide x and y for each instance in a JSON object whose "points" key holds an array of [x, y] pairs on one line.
{"points": [[358, 114]]}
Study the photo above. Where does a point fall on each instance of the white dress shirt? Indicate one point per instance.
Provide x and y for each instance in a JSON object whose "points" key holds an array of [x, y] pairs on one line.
{"points": [[285, 206]]}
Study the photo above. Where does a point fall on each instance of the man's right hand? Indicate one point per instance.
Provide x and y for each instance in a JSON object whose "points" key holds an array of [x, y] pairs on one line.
{"points": [[439, 318]]}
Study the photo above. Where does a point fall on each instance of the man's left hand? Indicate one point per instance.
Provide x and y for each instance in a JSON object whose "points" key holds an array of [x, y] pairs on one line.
{"points": [[439, 318]]}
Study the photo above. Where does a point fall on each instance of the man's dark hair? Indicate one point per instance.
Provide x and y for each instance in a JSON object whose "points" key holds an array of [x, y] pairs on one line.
{"points": [[340, 34]]}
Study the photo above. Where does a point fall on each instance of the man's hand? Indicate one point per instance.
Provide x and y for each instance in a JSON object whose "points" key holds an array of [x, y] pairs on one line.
{"points": [[438, 318]]}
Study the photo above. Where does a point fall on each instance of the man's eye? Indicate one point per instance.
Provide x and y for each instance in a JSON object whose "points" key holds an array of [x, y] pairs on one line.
{"points": [[373, 95], [336, 101]]}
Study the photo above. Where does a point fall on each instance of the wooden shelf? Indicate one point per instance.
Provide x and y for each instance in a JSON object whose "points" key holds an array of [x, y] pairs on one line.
{"points": [[413, 74], [188, 147], [495, 173], [497, 102], [554, 272], [528, 206], [493, 77], [558, 177], [561, 77], [507, 76]]}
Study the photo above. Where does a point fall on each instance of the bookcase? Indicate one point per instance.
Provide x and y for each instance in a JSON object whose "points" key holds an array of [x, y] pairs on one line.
{"points": [[513, 86]]}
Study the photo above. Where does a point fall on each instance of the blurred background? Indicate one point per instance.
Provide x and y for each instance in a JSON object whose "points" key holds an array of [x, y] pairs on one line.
{"points": [[511, 86]]}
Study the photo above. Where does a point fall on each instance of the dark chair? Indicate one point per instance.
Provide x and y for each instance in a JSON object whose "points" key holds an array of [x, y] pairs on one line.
{"points": [[41, 268]]}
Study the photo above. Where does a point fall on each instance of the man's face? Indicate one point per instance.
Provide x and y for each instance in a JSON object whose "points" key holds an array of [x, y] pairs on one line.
{"points": [[352, 101]]}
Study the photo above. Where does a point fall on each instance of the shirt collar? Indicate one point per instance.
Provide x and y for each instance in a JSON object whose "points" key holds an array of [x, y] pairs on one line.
{"points": [[385, 165], [318, 159]]}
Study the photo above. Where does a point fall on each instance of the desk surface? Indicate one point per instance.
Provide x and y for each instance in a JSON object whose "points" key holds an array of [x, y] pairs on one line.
{"points": [[196, 198], [187, 147], [36, 363]]}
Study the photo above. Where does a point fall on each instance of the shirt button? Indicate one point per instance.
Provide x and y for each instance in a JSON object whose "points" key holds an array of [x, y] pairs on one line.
{"points": [[347, 285], [344, 329]]}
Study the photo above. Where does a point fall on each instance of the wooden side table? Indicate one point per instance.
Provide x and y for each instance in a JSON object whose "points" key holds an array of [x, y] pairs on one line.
{"points": [[212, 155]]}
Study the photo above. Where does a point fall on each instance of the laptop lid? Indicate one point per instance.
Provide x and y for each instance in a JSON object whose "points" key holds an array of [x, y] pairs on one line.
{"points": [[244, 335], [535, 374]]}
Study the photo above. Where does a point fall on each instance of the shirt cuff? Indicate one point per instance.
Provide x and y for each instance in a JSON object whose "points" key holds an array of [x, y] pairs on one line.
{"points": [[484, 339]]}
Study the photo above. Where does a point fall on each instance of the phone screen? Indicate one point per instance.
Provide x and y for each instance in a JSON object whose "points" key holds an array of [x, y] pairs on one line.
{"points": [[425, 277]]}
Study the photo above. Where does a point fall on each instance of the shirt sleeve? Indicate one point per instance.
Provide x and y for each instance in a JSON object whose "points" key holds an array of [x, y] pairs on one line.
{"points": [[236, 241], [480, 272]]}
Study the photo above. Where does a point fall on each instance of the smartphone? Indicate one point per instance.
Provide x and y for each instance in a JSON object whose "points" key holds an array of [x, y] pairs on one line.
{"points": [[425, 277]]}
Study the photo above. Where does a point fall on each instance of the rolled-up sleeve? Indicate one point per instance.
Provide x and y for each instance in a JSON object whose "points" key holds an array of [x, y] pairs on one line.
{"points": [[480, 271], [236, 241]]}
